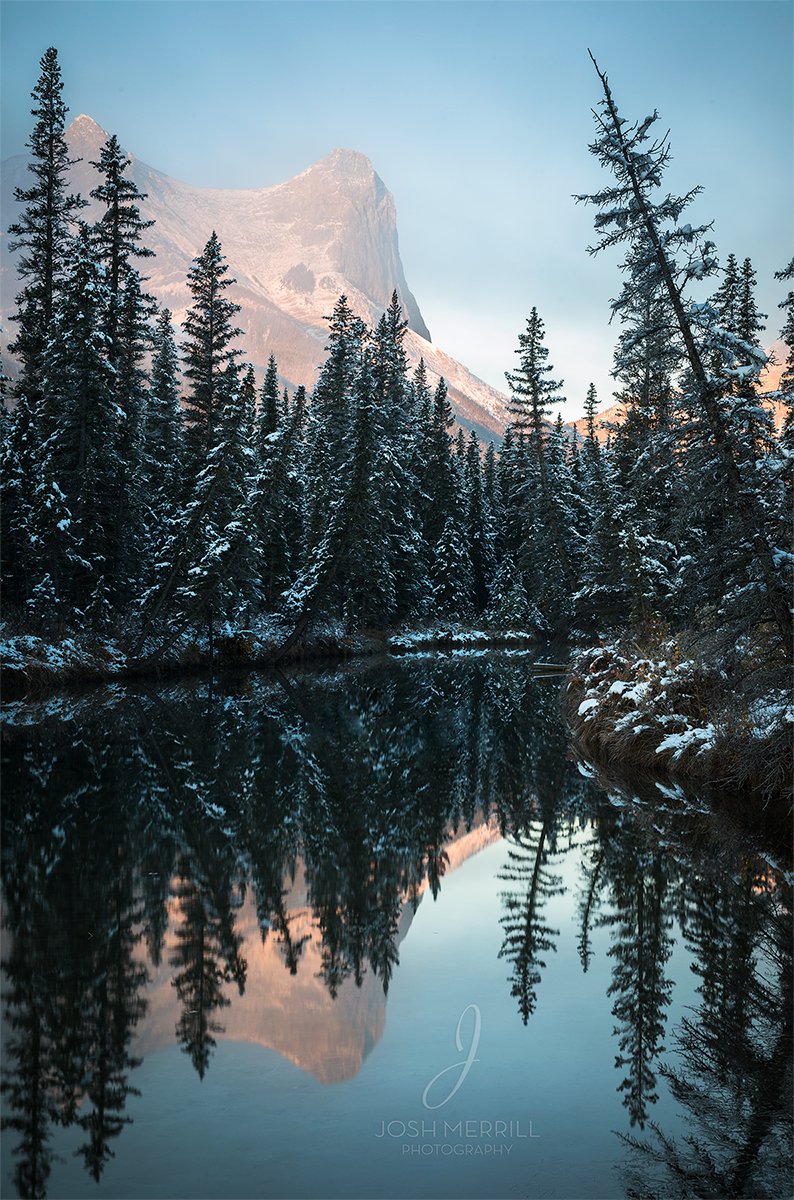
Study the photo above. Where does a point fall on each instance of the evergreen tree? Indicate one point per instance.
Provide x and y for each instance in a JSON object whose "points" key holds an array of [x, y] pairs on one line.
{"points": [[664, 254], [205, 960], [546, 538], [42, 230], [248, 404], [117, 233], [641, 946], [207, 351], [133, 342], [75, 521], [787, 336], [477, 527], [42, 234], [591, 443], [509, 606], [369, 588], [329, 420], [451, 575], [527, 936], [439, 485], [397, 482], [269, 404], [221, 568], [163, 437]]}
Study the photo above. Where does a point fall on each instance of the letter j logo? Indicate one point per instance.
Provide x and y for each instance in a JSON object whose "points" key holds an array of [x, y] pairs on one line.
{"points": [[463, 1067]]}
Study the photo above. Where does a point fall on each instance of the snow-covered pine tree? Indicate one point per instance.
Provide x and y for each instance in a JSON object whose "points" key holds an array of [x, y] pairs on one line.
{"points": [[133, 342], [281, 519], [545, 556], [329, 419], [738, 364], [42, 231], [509, 607], [369, 593], [269, 404], [439, 486], [76, 528], [602, 601], [248, 403], [42, 234], [163, 457], [221, 568], [478, 531], [451, 580], [667, 254], [117, 233], [513, 532], [208, 350], [491, 480], [591, 444], [395, 432]]}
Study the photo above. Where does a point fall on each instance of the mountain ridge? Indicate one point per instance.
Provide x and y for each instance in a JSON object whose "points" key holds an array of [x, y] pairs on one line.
{"points": [[293, 247]]}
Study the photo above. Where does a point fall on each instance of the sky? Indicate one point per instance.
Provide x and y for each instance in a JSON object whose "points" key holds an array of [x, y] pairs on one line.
{"points": [[477, 116]]}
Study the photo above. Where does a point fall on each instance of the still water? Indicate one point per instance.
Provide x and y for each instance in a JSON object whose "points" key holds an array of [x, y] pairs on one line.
{"points": [[375, 933]]}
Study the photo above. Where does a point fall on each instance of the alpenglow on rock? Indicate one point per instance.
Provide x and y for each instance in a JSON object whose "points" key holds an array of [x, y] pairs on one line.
{"points": [[293, 248]]}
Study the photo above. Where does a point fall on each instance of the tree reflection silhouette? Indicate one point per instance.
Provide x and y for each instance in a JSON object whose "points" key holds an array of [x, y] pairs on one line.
{"points": [[136, 822]]}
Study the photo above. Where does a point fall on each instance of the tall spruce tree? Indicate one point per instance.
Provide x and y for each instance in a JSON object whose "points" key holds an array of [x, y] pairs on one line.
{"points": [[208, 350], [75, 519], [666, 254], [163, 455], [117, 233], [133, 343], [42, 230], [42, 234], [269, 403], [545, 555]]}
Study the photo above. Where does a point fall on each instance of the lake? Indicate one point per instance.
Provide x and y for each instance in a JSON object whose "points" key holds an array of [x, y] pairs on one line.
{"points": [[375, 932]]}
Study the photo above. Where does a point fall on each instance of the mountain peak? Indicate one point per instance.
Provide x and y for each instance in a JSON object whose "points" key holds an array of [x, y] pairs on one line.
{"points": [[344, 159], [85, 136]]}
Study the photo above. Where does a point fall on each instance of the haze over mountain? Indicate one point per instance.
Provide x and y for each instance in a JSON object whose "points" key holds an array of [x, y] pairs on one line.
{"points": [[293, 249]]}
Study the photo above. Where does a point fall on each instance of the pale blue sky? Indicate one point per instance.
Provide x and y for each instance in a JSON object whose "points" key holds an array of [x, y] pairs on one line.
{"points": [[476, 116]]}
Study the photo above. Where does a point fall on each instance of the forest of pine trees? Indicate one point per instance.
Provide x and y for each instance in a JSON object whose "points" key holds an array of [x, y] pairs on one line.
{"points": [[154, 488]]}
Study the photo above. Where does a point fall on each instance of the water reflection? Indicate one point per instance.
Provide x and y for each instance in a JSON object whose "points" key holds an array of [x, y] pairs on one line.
{"points": [[189, 863]]}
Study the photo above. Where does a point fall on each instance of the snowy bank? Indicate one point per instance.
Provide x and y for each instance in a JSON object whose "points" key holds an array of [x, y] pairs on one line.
{"points": [[32, 665], [659, 706]]}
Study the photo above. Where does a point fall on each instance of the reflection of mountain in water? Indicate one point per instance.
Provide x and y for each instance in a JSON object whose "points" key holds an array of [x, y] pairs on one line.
{"points": [[296, 1014], [243, 862]]}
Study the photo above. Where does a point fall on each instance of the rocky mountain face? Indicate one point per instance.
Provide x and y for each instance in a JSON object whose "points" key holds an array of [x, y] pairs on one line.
{"points": [[293, 249]]}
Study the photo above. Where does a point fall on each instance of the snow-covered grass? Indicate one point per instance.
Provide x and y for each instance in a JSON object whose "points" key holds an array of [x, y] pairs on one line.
{"points": [[653, 701], [452, 636], [32, 664]]}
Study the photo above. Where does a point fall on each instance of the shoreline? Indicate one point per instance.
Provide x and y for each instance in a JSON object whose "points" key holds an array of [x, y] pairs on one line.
{"points": [[31, 667]]}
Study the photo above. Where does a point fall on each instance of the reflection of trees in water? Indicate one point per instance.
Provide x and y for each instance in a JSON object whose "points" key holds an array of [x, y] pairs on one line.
{"points": [[526, 934], [206, 957], [73, 983], [641, 945], [360, 778], [733, 1071]]}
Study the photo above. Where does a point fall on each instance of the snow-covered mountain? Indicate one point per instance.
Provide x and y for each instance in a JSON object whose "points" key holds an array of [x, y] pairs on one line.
{"points": [[293, 248]]}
